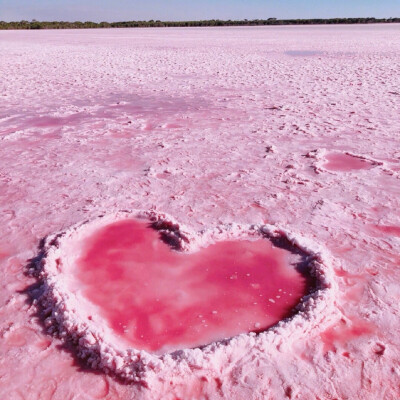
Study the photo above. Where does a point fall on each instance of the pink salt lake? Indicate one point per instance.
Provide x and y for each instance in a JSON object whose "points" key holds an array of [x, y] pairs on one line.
{"points": [[159, 299], [178, 120]]}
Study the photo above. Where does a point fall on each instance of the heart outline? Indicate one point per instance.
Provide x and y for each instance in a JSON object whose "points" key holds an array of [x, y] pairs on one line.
{"points": [[93, 344]]}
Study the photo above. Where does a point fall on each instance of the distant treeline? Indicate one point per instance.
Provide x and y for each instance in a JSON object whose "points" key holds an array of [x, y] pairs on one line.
{"points": [[213, 22]]}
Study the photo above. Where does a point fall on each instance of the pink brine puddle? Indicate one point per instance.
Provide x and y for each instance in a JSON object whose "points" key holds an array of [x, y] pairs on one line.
{"points": [[345, 162], [162, 300]]}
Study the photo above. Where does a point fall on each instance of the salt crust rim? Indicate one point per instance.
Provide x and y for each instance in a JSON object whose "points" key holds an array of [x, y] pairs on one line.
{"points": [[96, 345]]}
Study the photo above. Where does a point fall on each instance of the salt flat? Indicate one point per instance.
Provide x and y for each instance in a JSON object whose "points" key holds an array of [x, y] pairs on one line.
{"points": [[294, 127]]}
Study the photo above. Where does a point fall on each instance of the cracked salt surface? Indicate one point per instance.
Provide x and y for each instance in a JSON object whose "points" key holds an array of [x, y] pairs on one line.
{"points": [[213, 127]]}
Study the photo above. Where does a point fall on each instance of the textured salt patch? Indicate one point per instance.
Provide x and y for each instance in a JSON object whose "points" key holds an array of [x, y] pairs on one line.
{"points": [[76, 319]]}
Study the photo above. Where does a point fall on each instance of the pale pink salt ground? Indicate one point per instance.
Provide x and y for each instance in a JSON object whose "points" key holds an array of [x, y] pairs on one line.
{"points": [[212, 126]]}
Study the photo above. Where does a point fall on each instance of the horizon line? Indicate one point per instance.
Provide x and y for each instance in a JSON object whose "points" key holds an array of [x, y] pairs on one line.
{"points": [[212, 21]]}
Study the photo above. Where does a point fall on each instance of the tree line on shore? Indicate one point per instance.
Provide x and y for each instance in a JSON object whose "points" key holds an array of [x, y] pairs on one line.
{"points": [[213, 22]]}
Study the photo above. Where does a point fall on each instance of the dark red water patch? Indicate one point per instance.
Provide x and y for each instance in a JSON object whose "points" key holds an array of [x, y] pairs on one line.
{"points": [[345, 162], [3, 255], [159, 299], [388, 229], [173, 126]]}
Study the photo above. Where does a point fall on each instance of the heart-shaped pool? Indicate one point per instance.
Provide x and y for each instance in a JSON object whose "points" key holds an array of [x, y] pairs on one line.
{"points": [[161, 300], [133, 289]]}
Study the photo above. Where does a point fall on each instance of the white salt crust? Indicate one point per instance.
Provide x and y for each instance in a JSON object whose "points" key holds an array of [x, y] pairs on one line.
{"points": [[67, 312]]}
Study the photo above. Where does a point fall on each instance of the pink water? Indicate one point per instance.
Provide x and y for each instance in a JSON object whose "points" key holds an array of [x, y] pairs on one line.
{"points": [[157, 298], [345, 162]]}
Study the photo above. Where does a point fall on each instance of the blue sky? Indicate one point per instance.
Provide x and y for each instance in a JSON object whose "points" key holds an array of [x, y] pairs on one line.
{"points": [[122, 10]]}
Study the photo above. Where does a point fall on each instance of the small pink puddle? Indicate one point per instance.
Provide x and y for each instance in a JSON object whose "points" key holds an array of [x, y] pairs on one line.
{"points": [[163, 300], [345, 162]]}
